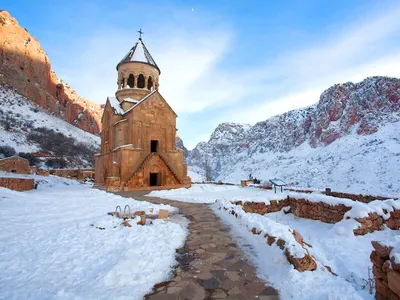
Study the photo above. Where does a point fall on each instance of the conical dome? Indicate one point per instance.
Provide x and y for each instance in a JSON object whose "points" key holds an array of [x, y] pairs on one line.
{"points": [[139, 53]]}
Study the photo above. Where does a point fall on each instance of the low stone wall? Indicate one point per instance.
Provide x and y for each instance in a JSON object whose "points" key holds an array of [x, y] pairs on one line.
{"points": [[394, 221], [301, 264], [42, 172], [17, 184], [301, 208], [386, 272], [357, 197], [323, 212]]}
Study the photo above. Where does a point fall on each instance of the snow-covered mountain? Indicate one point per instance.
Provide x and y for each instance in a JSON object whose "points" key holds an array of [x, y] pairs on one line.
{"points": [[349, 140], [28, 128]]}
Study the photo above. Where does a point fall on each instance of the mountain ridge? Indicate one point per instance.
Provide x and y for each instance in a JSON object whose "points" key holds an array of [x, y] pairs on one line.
{"points": [[344, 110]]}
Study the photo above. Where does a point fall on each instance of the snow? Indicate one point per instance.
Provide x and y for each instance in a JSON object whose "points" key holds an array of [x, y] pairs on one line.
{"points": [[196, 174], [347, 255], [209, 193], [49, 250], [25, 111], [341, 165], [333, 245], [115, 105], [139, 54]]}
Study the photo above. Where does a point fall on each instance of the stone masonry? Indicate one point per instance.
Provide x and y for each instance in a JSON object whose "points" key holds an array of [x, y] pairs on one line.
{"points": [[386, 272], [17, 184]]}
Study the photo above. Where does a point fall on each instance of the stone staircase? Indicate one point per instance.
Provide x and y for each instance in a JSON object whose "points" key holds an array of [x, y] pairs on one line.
{"points": [[146, 159], [140, 167], [166, 161]]}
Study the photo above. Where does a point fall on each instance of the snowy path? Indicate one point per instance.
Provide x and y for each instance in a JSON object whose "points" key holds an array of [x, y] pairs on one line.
{"points": [[213, 266], [49, 250]]}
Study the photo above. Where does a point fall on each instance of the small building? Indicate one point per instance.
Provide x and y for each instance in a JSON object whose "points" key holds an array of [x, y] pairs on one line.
{"points": [[246, 182], [15, 164]]}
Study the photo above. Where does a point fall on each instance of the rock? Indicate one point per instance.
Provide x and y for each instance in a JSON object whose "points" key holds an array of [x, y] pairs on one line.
{"points": [[298, 237], [381, 250], [163, 214], [305, 263], [26, 68], [378, 273], [330, 270], [281, 244], [142, 220], [395, 266], [139, 213], [127, 224], [394, 281], [271, 240]]}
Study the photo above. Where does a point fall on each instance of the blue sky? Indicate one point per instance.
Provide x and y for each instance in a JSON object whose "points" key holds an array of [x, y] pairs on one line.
{"points": [[221, 61]]}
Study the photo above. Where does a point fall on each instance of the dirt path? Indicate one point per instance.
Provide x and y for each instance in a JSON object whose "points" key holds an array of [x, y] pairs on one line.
{"points": [[211, 265]]}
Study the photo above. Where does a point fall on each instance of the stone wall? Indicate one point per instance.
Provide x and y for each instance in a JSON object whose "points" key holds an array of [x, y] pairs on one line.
{"points": [[73, 173], [323, 212], [301, 208], [386, 272], [15, 164], [17, 184]]}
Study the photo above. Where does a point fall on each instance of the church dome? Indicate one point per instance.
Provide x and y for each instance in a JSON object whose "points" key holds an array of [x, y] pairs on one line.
{"points": [[139, 53]]}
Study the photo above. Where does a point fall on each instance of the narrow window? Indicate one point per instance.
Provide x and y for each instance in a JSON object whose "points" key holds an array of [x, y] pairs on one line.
{"points": [[131, 81], [150, 84], [140, 83], [154, 146]]}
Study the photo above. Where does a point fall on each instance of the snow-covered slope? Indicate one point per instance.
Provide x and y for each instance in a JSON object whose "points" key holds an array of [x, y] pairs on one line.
{"points": [[20, 117], [348, 141]]}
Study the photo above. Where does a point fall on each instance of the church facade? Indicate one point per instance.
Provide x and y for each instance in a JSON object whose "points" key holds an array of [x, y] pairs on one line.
{"points": [[138, 131]]}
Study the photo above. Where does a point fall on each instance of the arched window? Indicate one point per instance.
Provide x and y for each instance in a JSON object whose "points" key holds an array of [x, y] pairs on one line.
{"points": [[140, 82], [150, 83], [131, 81]]}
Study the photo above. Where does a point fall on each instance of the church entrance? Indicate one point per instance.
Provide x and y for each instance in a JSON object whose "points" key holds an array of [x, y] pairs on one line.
{"points": [[154, 179], [154, 146]]}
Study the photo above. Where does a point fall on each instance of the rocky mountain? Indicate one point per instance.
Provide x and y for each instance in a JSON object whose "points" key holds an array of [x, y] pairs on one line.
{"points": [[45, 140], [353, 124], [25, 66], [179, 144]]}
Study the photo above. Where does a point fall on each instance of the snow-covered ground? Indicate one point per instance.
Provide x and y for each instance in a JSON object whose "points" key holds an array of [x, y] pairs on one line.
{"points": [[208, 193], [195, 173], [50, 247], [333, 245]]}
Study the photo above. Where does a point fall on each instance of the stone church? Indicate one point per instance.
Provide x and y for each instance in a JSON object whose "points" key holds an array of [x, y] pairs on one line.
{"points": [[138, 131]]}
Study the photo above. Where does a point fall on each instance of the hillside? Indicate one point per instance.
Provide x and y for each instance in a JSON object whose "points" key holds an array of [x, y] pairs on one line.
{"points": [[28, 128], [25, 66], [349, 141]]}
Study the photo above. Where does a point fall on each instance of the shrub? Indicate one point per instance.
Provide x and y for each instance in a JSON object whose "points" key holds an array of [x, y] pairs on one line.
{"points": [[56, 163], [257, 181], [61, 145], [33, 161], [7, 151]]}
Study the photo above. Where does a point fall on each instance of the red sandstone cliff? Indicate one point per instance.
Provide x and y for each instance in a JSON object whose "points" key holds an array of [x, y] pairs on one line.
{"points": [[25, 66]]}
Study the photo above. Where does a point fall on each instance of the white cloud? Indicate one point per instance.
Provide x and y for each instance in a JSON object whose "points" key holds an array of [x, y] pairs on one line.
{"points": [[196, 81]]}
